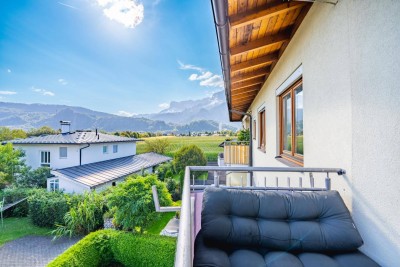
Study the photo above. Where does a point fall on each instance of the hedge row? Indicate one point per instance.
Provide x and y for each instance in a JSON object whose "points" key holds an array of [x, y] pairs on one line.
{"points": [[105, 246]]}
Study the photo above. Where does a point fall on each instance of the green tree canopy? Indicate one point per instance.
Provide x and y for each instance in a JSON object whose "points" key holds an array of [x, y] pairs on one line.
{"points": [[8, 134], [157, 145], [133, 203], [44, 130], [11, 164], [190, 155]]}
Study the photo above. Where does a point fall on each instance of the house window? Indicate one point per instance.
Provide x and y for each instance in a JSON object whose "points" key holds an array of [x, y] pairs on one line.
{"points": [[54, 185], [105, 149], [291, 123], [45, 158], [115, 148], [254, 129], [63, 152], [261, 130]]}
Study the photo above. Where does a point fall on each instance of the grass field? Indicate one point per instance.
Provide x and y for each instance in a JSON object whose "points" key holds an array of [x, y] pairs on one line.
{"points": [[15, 228], [209, 145], [157, 226]]}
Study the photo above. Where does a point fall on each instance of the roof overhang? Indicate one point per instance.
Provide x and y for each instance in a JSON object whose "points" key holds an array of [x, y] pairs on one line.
{"points": [[252, 36]]}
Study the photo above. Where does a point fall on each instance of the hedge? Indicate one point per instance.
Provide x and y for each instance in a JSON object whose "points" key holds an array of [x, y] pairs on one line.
{"points": [[105, 246]]}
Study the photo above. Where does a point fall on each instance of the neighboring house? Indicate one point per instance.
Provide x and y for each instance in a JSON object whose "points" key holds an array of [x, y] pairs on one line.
{"points": [[72, 155], [319, 84]]}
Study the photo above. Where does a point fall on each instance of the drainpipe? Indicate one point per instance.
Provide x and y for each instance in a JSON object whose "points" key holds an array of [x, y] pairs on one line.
{"points": [[220, 12], [80, 153], [250, 142]]}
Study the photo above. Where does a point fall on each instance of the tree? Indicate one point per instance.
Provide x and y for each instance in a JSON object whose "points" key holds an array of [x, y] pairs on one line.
{"points": [[190, 155], [33, 178], [44, 130], [11, 164], [244, 135], [7, 134], [157, 145], [133, 203]]}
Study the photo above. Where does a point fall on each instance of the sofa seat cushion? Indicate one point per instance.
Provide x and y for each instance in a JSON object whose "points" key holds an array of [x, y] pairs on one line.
{"points": [[212, 256], [287, 221]]}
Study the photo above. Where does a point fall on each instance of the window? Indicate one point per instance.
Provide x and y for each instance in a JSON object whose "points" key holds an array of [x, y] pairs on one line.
{"points": [[54, 185], [45, 158], [291, 123], [105, 149], [261, 130], [115, 148], [63, 152], [254, 129]]}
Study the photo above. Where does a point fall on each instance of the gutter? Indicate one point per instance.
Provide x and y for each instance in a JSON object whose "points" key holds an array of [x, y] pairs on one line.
{"points": [[220, 12], [80, 153]]}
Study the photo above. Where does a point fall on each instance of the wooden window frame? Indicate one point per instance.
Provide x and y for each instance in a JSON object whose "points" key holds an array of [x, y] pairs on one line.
{"points": [[254, 133], [290, 155], [261, 129]]}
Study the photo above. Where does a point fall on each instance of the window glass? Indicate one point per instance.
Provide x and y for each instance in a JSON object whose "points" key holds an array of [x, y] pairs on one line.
{"points": [[299, 120], [45, 158], [287, 122], [63, 152], [254, 129], [115, 148], [261, 143], [105, 149]]}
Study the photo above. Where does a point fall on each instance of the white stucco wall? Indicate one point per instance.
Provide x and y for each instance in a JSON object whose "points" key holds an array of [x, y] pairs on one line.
{"points": [[93, 153], [69, 186], [351, 75]]}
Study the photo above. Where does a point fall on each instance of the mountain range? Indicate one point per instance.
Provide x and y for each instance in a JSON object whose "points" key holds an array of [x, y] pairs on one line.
{"points": [[207, 114]]}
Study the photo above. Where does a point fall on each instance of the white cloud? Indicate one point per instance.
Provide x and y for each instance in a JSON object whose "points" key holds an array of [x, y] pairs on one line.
{"points": [[130, 13], [206, 78], [164, 105], [7, 93], [42, 91], [125, 113], [8, 71], [62, 81]]}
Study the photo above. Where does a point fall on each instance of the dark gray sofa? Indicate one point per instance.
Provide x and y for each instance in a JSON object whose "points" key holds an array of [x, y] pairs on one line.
{"points": [[271, 228]]}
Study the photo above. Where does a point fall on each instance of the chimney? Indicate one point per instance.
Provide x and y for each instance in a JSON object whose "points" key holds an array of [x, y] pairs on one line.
{"points": [[65, 127], [96, 131]]}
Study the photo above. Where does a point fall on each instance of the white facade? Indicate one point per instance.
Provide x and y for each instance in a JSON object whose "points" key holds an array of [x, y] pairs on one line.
{"points": [[91, 154], [350, 60]]}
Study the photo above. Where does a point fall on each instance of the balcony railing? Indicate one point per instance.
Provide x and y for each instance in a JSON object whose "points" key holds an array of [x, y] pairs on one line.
{"points": [[236, 153], [184, 250]]}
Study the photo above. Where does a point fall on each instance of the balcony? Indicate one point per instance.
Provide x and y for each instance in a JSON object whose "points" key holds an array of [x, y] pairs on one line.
{"points": [[316, 180], [236, 153]]}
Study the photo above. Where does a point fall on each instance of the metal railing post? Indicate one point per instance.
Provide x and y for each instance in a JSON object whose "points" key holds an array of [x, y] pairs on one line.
{"points": [[327, 182]]}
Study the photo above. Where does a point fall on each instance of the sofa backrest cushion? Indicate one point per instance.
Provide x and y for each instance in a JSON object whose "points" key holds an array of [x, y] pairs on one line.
{"points": [[302, 221]]}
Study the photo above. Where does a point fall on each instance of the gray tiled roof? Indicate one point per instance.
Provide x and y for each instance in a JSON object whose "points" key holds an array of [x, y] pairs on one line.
{"points": [[97, 173], [73, 138]]}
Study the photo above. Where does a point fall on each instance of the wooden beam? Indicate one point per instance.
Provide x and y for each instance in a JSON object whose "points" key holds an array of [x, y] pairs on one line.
{"points": [[264, 60], [244, 100], [249, 75], [248, 83], [262, 12], [244, 95], [248, 91], [265, 42]]}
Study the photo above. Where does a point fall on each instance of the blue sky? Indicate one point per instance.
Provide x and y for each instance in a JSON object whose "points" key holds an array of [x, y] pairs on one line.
{"points": [[116, 56]]}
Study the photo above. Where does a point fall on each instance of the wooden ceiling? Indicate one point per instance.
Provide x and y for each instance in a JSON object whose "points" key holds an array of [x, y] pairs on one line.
{"points": [[259, 32]]}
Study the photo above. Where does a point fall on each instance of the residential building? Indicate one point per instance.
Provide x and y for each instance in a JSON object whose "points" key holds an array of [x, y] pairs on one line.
{"points": [[319, 85], [84, 160]]}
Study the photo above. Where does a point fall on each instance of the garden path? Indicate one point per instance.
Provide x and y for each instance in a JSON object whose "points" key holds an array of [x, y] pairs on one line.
{"points": [[33, 251]]}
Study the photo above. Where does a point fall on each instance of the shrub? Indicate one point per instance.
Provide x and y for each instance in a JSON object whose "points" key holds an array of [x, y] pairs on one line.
{"points": [[105, 246], [165, 170], [133, 201], [190, 155], [13, 194], [47, 209], [244, 135], [173, 188], [84, 217], [157, 145]]}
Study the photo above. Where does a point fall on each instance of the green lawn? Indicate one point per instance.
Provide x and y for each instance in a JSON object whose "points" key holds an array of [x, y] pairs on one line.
{"points": [[209, 144], [19, 227], [157, 226]]}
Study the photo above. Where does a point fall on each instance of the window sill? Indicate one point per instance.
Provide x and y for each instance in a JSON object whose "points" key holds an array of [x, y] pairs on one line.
{"points": [[287, 162]]}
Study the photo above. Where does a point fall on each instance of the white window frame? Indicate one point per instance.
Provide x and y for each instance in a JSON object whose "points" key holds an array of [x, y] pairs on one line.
{"points": [[66, 152], [106, 149], [46, 155], [115, 148], [54, 184]]}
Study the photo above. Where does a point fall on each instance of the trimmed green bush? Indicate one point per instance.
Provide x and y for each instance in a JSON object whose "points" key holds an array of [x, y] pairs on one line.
{"points": [[13, 194], [47, 209], [143, 250], [93, 250], [105, 246]]}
